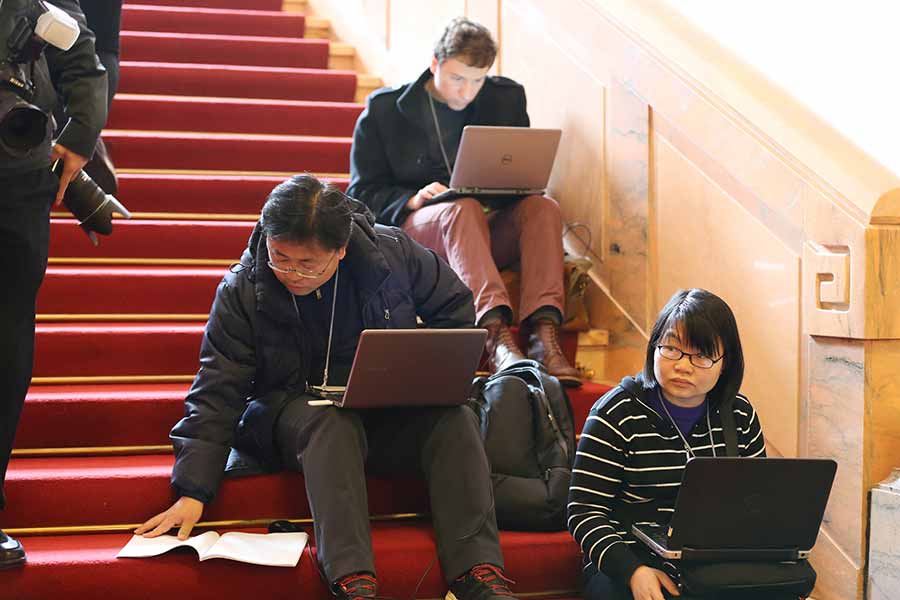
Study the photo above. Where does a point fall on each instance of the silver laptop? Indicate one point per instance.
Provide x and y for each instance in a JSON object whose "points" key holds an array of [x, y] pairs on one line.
{"points": [[408, 367], [501, 162], [744, 509]]}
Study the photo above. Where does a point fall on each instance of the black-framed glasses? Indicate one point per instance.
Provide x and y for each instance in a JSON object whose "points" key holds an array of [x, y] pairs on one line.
{"points": [[305, 273], [701, 361]]}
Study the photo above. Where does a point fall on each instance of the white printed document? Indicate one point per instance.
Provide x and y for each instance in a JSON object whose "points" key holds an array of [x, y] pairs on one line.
{"points": [[268, 549]]}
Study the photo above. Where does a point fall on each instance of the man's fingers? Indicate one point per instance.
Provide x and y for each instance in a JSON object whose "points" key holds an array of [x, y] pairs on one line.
{"points": [[185, 530], [64, 179], [163, 527], [669, 584], [150, 523]]}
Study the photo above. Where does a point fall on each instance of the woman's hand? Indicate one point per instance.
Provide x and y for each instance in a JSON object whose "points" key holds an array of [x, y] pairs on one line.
{"points": [[648, 583], [184, 513]]}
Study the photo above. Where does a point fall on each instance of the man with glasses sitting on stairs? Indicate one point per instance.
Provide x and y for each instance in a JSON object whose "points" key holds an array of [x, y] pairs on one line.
{"points": [[403, 146], [316, 272]]}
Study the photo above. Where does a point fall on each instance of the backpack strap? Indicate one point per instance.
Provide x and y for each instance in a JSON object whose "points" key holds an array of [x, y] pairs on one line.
{"points": [[729, 429]]}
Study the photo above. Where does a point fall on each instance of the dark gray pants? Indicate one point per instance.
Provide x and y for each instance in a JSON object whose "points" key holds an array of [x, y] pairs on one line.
{"points": [[24, 235], [333, 446]]}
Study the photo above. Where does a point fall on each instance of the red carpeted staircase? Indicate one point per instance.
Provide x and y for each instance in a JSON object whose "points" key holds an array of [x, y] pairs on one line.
{"points": [[217, 104]]}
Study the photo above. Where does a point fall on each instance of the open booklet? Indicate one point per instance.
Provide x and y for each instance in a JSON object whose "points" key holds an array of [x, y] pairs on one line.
{"points": [[269, 549]]}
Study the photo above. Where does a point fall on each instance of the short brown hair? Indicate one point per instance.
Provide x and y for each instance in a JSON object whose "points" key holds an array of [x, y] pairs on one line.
{"points": [[468, 41]]}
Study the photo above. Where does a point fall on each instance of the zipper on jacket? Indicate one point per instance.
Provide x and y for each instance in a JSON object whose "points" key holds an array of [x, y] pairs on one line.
{"points": [[387, 314]]}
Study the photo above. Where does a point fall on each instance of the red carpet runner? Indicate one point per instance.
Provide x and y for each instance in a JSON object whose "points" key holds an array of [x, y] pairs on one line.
{"points": [[207, 87]]}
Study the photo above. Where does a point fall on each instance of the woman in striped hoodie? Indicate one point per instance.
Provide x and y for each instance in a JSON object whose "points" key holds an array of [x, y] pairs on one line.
{"points": [[639, 436]]}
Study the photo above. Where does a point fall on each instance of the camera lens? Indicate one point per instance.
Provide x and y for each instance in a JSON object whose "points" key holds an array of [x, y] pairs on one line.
{"points": [[22, 126]]}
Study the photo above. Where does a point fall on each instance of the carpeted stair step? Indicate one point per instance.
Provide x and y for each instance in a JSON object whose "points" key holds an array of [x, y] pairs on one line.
{"points": [[134, 349], [197, 241], [109, 415], [224, 49], [190, 19], [84, 566], [273, 5], [96, 290], [201, 194], [228, 152], [109, 490], [86, 416], [189, 113], [236, 81], [117, 349]]}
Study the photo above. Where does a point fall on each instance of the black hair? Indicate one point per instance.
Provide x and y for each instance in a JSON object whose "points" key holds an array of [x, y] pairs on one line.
{"points": [[704, 321], [304, 208], [467, 41]]}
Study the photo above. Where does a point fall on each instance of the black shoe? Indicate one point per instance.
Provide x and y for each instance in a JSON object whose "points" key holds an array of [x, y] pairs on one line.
{"points": [[358, 586], [11, 551], [482, 582]]}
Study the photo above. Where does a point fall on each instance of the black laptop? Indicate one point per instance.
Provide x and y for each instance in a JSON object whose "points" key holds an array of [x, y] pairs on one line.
{"points": [[744, 509]]}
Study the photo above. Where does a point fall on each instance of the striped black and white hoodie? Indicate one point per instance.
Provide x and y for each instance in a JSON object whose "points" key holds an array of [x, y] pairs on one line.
{"points": [[628, 469]]}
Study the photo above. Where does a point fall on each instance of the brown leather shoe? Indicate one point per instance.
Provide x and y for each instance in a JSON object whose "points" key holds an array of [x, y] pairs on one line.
{"points": [[543, 346], [500, 346]]}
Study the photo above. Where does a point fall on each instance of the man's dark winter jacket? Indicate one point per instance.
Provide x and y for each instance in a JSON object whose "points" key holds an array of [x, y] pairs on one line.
{"points": [[255, 353], [389, 159], [80, 80], [628, 469]]}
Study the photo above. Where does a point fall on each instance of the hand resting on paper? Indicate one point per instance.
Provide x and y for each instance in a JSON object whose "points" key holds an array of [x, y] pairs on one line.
{"points": [[184, 514]]}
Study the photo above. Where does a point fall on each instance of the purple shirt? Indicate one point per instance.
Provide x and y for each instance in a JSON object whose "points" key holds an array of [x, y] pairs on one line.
{"points": [[685, 418]]}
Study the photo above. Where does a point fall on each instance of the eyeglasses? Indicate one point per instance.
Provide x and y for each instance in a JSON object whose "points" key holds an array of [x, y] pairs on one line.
{"points": [[701, 361], [305, 273]]}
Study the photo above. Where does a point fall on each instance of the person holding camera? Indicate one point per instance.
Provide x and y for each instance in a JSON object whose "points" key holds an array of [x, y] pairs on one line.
{"points": [[33, 66]]}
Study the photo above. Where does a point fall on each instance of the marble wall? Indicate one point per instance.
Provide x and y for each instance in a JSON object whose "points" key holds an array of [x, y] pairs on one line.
{"points": [[884, 543]]}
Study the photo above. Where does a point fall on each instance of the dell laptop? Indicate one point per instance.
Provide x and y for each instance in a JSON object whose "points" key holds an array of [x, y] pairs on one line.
{"points": [[408, 367], [744, 509], [501, 162]]}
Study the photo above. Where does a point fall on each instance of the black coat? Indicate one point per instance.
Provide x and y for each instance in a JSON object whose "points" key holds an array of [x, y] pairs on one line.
{"points": [[389, 159], [255, 355], [80, 81]]}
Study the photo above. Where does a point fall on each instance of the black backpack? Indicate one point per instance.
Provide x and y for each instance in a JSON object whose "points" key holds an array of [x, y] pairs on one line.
{"points": [[529, 436]]}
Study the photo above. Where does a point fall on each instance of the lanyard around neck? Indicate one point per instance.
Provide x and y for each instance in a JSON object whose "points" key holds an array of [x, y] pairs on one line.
{"points": [[437, 129], [687, 446], [337, 274]]}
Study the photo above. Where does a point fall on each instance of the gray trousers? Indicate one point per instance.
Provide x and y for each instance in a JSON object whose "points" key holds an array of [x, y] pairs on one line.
{"points": [[334, 446]]}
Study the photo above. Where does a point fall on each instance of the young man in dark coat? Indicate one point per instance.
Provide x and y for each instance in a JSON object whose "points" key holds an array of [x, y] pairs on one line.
{"points": [[404, 147], [316, 272]]}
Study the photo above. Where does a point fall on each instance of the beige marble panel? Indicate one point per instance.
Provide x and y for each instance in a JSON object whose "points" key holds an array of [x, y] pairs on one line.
{"points": [[835, 430], [626, 236], [706, 239], [884, 546], [530, 57], [839, 578]]}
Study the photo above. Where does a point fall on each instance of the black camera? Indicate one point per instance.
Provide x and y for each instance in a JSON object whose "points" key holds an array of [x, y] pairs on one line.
{"points": [[26, 27], [89, 204]]}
